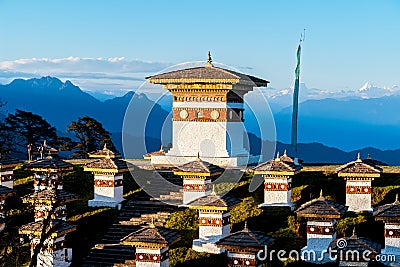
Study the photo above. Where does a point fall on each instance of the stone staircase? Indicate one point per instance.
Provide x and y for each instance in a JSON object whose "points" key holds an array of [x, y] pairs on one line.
{"points": [[144, 209]]}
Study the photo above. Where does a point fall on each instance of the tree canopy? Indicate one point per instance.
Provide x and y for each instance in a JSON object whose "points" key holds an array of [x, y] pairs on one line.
{"points": [[29, 129], [91, 136]]}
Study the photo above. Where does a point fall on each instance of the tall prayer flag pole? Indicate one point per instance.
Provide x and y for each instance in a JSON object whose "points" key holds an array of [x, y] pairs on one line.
{"points": [[296, 100]]}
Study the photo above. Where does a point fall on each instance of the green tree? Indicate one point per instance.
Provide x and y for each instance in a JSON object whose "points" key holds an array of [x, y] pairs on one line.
{"points": [[29, 129], [91, 136]]}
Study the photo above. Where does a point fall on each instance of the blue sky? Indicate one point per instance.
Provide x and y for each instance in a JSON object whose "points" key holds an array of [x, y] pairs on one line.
{"points": [[347, 42]]}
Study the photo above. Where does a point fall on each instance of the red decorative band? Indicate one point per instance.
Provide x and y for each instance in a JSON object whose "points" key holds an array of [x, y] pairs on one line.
{"points": [[7, 178], [392, 233], [196, 187], [351, 189], [107, 183], [147, 257], [320, 230], [239, 262], [214, 222], [277, 186], [50, 247], [58, 214]]}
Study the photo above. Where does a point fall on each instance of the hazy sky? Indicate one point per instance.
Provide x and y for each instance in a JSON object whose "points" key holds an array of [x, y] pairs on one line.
{"points": [[347, 42]]}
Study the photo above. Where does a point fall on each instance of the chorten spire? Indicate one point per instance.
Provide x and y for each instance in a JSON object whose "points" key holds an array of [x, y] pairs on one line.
{"points": [[358, 157], [209, 60]]}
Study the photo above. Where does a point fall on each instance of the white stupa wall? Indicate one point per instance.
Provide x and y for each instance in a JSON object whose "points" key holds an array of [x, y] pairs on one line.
{"points": [[7, 178], [360, 201], [392, 239], [242, 259], [57, 257], [147, 257], [277, 192], [320, 234], [108, 190], [194, 189], [216, 231]]}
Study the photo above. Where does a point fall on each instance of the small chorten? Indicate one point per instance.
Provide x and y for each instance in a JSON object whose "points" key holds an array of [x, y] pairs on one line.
{"points": [[7, 166], [5, 192], [49, 172], [359, 175], [389, 214], [277, 174], [197, 176], [214, 220], [242, 247], [108, 172], [321, 215], [152, 245], [350, 251]]}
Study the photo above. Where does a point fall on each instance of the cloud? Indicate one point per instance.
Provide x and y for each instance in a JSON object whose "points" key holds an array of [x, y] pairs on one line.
{"points": [[89, 73]]}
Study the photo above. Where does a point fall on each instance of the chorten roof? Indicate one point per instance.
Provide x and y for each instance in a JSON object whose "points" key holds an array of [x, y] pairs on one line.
{"points": [[57, 226], [152, 237], [213, 202], [107, 164], [160, 152], [7, 161], [50, 195], [50, 164], [245, 240], [207, 74], [5, 192], [388, 212], [103, 153], [359, 168], [198, 167], [283, 165], [354, 243], [321, 208]]}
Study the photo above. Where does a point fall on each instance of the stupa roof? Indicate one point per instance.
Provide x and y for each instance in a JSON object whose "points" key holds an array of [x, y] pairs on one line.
{"points": [[245, 240], [388, 212], [213, 202], [103, 153], [284, 165], [354, 243], [206, 74], [7, 161], [5, 192], [107, 165], [198, 167], [50, 164], [321, 208], [152, 237], [160, 152], [50, 195], [57, 226], [359, 168]]}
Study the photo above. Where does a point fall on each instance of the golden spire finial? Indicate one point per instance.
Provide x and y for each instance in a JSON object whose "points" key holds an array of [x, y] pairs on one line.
{"points": [[245, 229], [161, 148], [151, 224], [321, 194], [198, 156], [105, 146], [213, 190], [44, 143], [209, 60], [278, 158], [284, 153], [396, 201], [354, 233], [358, 157]]}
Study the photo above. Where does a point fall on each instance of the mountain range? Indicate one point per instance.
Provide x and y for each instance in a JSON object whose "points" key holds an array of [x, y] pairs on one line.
{"points": [[369, 125]]}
